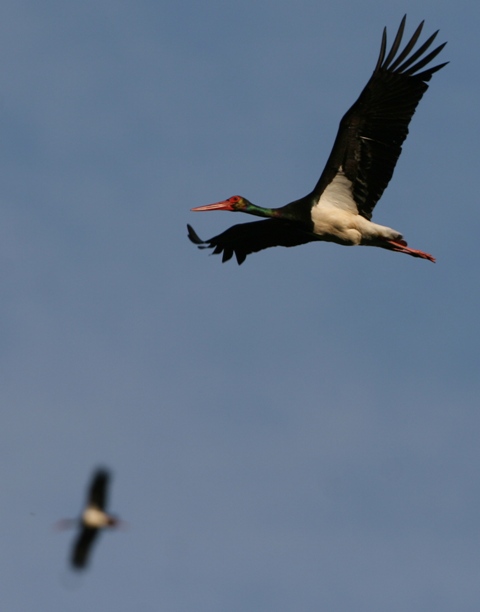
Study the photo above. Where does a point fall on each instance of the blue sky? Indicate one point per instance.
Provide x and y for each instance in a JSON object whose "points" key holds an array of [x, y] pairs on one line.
{"points": [[298, 433]]}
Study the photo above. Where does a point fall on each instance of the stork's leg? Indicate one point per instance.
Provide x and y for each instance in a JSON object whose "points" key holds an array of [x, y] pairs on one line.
{"points": [[401, 247]]}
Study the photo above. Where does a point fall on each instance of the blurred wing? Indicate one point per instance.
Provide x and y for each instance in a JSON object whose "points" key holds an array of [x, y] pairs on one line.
{"points": [[82, 546], [247, 238], [97, 495], [371, 133]]}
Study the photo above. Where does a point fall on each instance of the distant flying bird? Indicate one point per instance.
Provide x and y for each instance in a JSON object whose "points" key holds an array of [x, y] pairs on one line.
{"points": [[360, 166], [94, 518]]}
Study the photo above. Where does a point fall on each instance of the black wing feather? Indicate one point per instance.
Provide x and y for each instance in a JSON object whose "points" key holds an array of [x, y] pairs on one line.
{"points": [[97, 495], [371, 133], [246, 238], [82, 546], [408, 47]]}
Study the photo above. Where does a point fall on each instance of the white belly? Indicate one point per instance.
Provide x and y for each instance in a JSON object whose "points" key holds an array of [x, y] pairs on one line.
{"points": [[335, 217], [93, 517]]}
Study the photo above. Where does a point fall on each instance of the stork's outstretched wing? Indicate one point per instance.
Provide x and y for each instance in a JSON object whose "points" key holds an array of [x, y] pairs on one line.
{"points": [[371, 133], [246, 238]]}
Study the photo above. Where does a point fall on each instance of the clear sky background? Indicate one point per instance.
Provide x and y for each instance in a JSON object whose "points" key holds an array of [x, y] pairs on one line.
{"points": [[300, 433]]}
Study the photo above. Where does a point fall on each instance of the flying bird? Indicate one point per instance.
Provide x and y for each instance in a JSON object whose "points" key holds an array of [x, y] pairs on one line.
{"points": [[359, 168], [93, 519]]}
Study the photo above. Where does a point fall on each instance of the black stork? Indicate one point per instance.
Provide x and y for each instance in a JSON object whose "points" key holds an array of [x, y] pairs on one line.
{"points": [[360, 166], [93, 519]]}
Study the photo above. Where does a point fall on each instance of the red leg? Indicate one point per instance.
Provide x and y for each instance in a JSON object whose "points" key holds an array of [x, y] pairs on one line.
{"points": [[401, 247]]}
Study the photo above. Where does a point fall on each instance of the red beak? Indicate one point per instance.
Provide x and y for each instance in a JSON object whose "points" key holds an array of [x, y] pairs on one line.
{"points": [[225, 205]]}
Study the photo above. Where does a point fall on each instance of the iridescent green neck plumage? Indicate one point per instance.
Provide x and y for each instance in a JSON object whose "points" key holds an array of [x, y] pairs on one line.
{"points": [[258, 211], [270, 213]]}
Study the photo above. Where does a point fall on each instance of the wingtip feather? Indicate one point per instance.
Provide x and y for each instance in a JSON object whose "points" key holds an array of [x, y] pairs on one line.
{"points": [[193, 236]]}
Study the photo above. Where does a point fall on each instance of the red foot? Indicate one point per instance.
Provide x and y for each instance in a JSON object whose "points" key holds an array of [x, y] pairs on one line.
{"points": [[401, 247]]}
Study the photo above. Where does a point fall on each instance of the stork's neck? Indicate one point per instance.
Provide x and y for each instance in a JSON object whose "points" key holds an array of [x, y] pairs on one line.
{"points": [[295, 211], [259, 211]]}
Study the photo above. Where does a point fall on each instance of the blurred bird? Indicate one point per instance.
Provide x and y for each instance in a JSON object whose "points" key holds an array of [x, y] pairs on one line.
{"points": [[93, 519]]}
